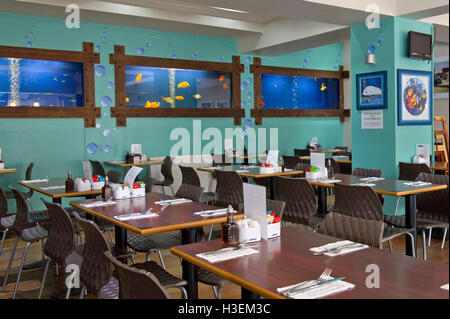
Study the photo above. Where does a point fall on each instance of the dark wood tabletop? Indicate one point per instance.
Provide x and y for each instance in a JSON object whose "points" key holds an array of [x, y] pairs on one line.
{"points": [[41, 187], [286, 260], [170, 218], [123, 164], [8, 171], [308, 158], [252, 171], [387, 186]]}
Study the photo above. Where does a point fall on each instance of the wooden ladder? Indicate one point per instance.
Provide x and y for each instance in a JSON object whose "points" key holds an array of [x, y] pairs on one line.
{"points": [[441, 139]]}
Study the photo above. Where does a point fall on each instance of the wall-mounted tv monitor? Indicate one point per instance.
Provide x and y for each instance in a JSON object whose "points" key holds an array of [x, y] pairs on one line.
{"points": [[420, 45]]}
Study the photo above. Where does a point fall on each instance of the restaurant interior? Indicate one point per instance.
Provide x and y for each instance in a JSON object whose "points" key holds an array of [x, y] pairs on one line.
{"points": [[216, 150]]}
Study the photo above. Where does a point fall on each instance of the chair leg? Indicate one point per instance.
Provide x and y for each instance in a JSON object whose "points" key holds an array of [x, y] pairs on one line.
{"points": [[20, 270], [443, 239], [43, 278], [3, 240], [424, 242], [57, 269], [42, 249], [396, 206], [429, 237], [161, 259], [219, 292], [390, 246], [210, 232], [13, 252], [68, 292], [132, 259], [147, 256], [413, 245], [183, 292], [83, 291]]}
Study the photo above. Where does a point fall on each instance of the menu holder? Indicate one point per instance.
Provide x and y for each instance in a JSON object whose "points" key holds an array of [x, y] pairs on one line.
{"points": [[131, 175]]}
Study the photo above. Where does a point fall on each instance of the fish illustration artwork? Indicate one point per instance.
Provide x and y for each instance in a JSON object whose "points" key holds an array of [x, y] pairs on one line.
{"points": [[323, 88], [225, 86], [221, 78], [197, 96], [138, 78], [151, 104], [179, 98], [167, 99], [183, 85]]}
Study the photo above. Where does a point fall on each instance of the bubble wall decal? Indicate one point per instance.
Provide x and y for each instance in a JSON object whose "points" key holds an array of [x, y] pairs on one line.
{"points": [[106, 101], [248, 123], [371, 49], [248, 59], [379, 43], [98, 125], [107, 133], [249, 95], [222, 58], [140, 51], [107, 148], [242, 103], [29, 44], [110, 85], [244, 86], [100, 70], [97, 48], [306, 60], [149, 44], [92, 148]]}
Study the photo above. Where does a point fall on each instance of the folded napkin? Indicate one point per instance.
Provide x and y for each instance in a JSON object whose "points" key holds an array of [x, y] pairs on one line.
{"points": [[330, 181], [213, 167], [320, 291], [445, 287], [288, 169], [242, 171], [213, 212], [135, 216], [249, 166], [99, 203], [36, 180], [365, 184], [372, 179], [6, 169], [173, 201], [226, 254], [347, 247], [417, 183], [53, 187]]}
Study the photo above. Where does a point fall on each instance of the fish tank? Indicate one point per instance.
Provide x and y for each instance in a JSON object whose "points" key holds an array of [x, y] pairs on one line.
{"points": [[152, 87], [29, 82], [297, 92]]}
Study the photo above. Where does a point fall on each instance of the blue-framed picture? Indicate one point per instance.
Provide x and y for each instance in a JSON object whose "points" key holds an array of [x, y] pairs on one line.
{"points": [[415, 97], [371, 90]]}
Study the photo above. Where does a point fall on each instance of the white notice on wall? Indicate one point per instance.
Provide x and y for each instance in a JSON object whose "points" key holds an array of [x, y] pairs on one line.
{"points": [[372, 120]]}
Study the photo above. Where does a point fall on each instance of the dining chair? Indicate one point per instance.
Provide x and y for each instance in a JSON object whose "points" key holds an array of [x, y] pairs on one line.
{"points": [[190, 177], [96, 271], [60, 244], [367, 172], [363, 202], [166, 171], [97, 168], [27, 195], [359, 230], [300, 199], [290, 161], [229, 189], [114, 176], [136, 283], [302, 152], [28, 231], [157, 242], [432, 210]]}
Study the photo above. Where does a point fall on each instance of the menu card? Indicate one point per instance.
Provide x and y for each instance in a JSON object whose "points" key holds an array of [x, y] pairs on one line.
{"points": [[131, 175], [317, 159], [255, 205], [87, 170], [272, 158], [228, 144], [136, 148]]}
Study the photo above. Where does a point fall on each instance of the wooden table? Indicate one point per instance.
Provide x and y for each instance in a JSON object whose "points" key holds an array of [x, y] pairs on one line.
{"points": [[391, 187], [8, 171], [59, 193], [328, 151], [122, 164], [253, 172], [176, 217], [286, 260], [308, 158]]}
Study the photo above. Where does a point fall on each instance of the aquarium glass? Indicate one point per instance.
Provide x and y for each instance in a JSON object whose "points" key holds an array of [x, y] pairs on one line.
{"points": [[296, 92], [177, 88], [29, 82]]}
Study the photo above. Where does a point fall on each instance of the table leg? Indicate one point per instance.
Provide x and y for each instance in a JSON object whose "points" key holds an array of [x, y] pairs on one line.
{"points": [[188, 236], [322, 201], [57, 200], [273, 186], [120, 237], [410, 220], [247, 294]]}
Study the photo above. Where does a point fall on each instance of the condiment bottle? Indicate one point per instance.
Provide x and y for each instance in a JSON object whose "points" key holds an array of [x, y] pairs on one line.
{"points": [[107, 192], [70, 185], [230, 230]]}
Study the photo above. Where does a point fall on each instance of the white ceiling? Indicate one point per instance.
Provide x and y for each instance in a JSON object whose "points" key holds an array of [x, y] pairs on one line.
{"points": [[261, 26]]}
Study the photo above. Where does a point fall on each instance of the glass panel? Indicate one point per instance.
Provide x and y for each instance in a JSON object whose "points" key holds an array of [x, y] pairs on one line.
{"points": [[295, 92], [169, 88], [28, 82]]}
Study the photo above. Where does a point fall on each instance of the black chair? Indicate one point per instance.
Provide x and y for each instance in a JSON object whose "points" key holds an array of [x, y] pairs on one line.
{"points": [[367, 172], [97, 168], [166, 171], [302, 152], [229, 189], [27, 195], [190, 177]]}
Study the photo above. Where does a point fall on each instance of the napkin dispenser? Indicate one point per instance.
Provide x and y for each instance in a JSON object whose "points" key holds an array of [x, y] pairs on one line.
{"points": [[121, 191], [82, 185], [270, 169], [138, 190], [139, 158], [319, 172], [2, 165], [249, 230], [97, 185]]}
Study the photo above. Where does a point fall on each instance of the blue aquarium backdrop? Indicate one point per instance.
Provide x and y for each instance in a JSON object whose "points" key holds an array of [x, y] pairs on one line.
{"points": [[29, 82], [296, 92], [151, 87]]}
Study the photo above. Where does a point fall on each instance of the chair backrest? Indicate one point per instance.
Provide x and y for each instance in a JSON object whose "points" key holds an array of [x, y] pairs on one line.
{"points": [[410, 171], [189, 176], [136, 283], [300, 199], [276, 206], [344, 148], [29, 171], [96, 269], [229, 189], [367, 172], [434, 205], [302, 166], [364, 231], [97, 168], [345, 153], [22, 220], [221, 160], [291, 161], [190, 192], [114, 176], [334, 165], [3, 203], [301, 152], [357, 201], [61, 237], [166, 169]]}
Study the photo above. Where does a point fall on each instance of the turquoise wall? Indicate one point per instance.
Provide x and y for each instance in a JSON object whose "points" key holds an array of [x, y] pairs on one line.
{"points": [[59, 145], [383, 149]]}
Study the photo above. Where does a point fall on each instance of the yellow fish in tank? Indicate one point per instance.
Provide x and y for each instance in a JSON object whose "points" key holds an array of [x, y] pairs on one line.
{"points": [[167, 99], [197, 96], [151, 104], [183, 85], [179, 98], [138, 78], [127, 99], [323, 88]]}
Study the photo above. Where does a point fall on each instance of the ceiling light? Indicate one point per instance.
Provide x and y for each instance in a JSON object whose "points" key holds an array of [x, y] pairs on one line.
{"points": [[231, 10]]}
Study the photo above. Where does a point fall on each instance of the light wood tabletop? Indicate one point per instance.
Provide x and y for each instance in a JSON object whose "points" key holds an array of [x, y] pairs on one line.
{"points": [[123, 164], [8, 171], [248, 171], [287, 260], [308, 158], [245, 156], [55, 188]]}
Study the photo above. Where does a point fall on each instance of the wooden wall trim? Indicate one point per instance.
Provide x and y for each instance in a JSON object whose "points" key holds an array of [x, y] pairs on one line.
{"points": [[121, 112], [87, 56], [258, 112]]}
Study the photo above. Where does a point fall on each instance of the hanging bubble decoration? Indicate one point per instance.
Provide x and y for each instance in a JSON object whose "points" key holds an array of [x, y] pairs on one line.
{"points": [[244, 86], [140, 51], [107, 148], [371, 49], [100, 70], [98, 125], [107, 133], [110, 85], [92, 148], [106, 101]]}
